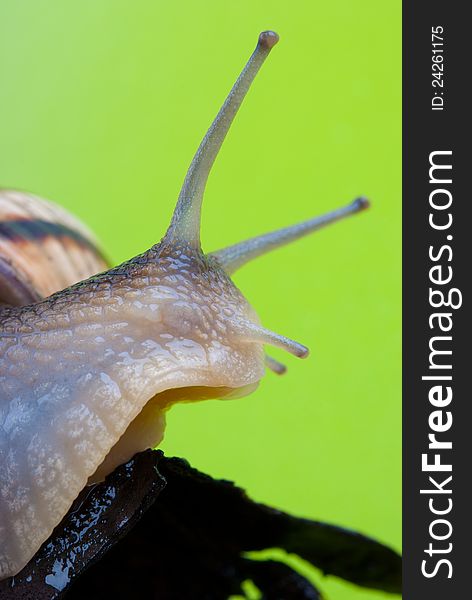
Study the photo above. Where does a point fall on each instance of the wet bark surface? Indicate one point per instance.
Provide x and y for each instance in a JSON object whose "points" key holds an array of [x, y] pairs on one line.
{"points": [[158, 529]]}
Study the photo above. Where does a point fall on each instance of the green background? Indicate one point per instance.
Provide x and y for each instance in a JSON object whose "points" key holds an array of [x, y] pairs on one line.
{"points": [[102, 105]]}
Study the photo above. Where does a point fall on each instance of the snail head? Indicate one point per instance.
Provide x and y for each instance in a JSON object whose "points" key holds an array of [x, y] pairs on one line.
{"points": [[165, 326], [87, 373], [220, 311]]}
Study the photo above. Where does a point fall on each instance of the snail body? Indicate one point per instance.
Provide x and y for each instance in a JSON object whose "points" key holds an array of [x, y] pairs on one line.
{"points": [[89, 363]]}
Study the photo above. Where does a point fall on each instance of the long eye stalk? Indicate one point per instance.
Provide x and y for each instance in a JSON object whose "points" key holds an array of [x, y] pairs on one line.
{"points": [[185, 224], [233, 257]]}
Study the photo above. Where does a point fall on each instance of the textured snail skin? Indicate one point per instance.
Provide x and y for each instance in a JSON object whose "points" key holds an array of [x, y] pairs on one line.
{"points": [[79, 366], [87, 373]]}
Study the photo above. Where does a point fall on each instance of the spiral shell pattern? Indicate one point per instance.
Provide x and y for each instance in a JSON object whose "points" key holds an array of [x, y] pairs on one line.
{"points": [[43, 249]]}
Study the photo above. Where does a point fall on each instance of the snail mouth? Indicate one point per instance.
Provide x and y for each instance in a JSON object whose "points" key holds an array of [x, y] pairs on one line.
{"points": [[196, 393], [147, 428]]}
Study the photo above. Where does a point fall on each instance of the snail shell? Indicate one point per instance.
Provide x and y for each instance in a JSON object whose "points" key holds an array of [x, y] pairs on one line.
{"points": [[87, 373], [43, 249]]}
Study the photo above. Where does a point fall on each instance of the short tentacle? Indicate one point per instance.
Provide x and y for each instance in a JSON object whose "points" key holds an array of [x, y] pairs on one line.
{"points": [[185, 224], [275, 366], [233, 257], [256, 333]]}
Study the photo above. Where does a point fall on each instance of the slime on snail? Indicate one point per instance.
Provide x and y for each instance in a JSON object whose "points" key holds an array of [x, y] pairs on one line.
{"points": [[88, 369]]}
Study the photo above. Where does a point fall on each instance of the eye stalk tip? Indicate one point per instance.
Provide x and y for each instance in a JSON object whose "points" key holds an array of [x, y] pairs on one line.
{"points": [[268, 39], [360, 204]]}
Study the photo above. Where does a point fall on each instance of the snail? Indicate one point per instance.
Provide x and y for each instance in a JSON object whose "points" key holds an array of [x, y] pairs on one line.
{"points": [[89, 363]]}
